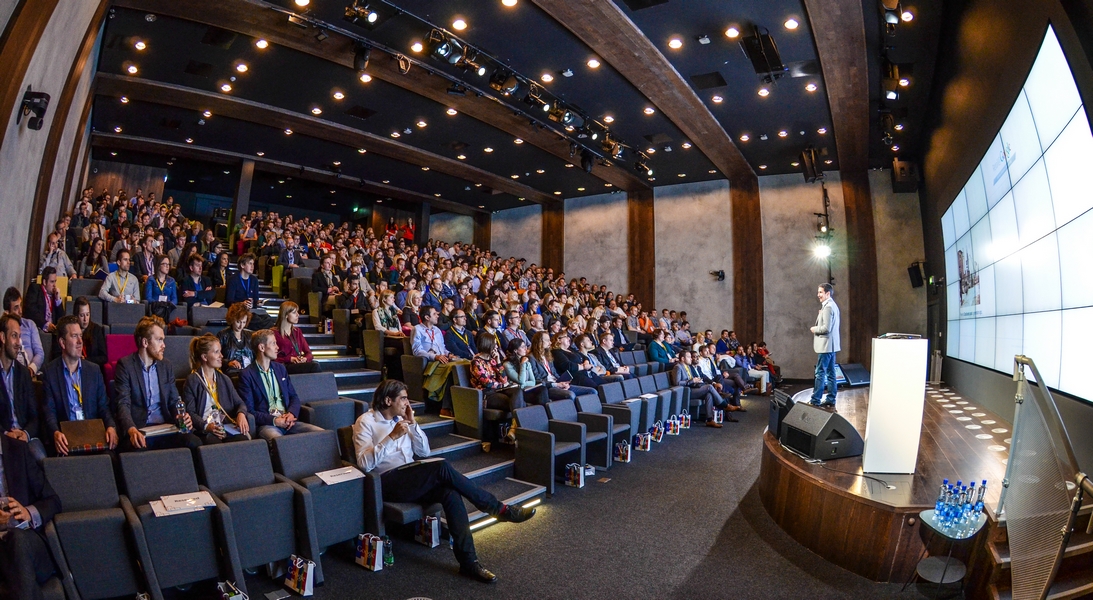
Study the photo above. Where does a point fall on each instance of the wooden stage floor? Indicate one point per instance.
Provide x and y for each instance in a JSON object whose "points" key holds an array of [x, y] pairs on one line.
{"points": [[860, 524]]}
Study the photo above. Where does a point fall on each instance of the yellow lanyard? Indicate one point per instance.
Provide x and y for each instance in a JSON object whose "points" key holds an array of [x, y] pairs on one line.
{"points": [[160, 286], [462, 337], [212, 391], [79, 394], [124, 282]]}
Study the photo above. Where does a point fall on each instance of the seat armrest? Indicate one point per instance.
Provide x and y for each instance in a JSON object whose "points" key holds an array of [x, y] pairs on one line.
{"points": [[227, 539], [535, 457], [567, 431], [136, 532], [624, 413], [594, 422], [373, 504], [58, 554], [467, 406], [307, 535]]}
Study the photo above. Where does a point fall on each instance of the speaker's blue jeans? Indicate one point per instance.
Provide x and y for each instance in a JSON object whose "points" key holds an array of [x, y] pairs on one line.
{"points": [[825, 378]]}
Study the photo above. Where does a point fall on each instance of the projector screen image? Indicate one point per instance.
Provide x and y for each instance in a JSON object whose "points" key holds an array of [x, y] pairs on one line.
{"points": [[1019, 238]]}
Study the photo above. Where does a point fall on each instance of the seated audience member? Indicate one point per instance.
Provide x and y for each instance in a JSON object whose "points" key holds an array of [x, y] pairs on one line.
{"points": [[353, 299], [728, 343], [729, 368], [386, 317], [444, 321], [743, 361], [325, 281], [619, 335], [434, 295], [586, 350], [144, 259], [660, 351], [268, 393], [488, 376], [120, 233], [768, 359], [73, 393], [491, 324], [235, 340], [31, 353], [216, 410], [42, 303], [194, 287], [55, 257], [94, 336], [609, 356], [428, 343], [411, 312], [686, 375], [25, 561], [176, 253], [160, 286], [218, 270], [18, 405], [512, 331], [542, 366], [243, 287], [145, 392], [458, 339], [292, 348], [94, 264], [566, 360], [385, 441], [729, 387], [518, 369], [121, 285]]}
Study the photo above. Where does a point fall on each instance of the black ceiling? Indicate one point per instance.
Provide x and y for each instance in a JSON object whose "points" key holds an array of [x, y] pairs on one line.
{"points": [[530, 42]]}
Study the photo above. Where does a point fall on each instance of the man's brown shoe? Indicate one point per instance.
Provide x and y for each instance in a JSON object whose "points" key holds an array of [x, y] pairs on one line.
{"points": [[713, 424]]}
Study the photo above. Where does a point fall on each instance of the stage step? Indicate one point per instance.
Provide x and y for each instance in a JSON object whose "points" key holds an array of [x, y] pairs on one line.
{"points": [[1075, 576]]}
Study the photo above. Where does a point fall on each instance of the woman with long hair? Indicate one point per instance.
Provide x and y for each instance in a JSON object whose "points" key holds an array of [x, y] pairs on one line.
{"points": [[518, 369], [488, 375], [292, 348], [410, 311], [216, 410], [95, 263]]}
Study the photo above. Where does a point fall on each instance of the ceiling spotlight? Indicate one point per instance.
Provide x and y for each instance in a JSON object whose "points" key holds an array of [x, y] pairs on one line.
{"points": [[261, 44], [745, 137], [361, 55], [453, 112], [416, 47], [365, 78], [424, 168], [361, 150], [822, 251], [650, 150], [421, 124], [649, 110], [514, 176], [828, 161], [675, 43], [907, 16], [783, 133], [302, 3], [641, 167], [260, 153], [686, 145], [791, 24], [895, 148], [288, 132], [518, 141], [140, 45], [459, 24], [117, 129], [241, 67], [762, 167], [131, 69], [546, 77], [316, 111], [508, 2], [795, 164], [124, 99], [462, 157], [226, 87], [337, 163], [540, 171], [113, 154], [189, 140], [487, 150], [810, 87], [593, 63], [717, 99], [764, 92], [338, 95], [904, 82], [821, 130], [608, 119], [504, 82], [898, 127], [681, 175], [732, 33]]}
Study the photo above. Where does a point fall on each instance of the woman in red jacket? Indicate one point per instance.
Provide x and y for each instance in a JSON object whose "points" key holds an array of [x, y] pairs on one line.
{"points": [[292, 348], [408, 230]]}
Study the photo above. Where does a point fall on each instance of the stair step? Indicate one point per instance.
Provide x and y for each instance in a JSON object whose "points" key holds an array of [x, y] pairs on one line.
{"points": [[435, 424], [319, 339], [363, 392], [341, 363], [364, 375], [418, 408], [1081, 543], [1066, 587], [509, 491], [452, 446]]}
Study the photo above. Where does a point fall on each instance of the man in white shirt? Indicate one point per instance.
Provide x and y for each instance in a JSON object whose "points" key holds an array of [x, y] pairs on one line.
{"points": [[121, 285], [385, 440], [428, 342]]}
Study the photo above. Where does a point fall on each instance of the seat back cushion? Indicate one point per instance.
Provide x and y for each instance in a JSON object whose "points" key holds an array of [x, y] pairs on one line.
{"points": [[304, 454], [149, 475], [83, 482], [230, 467], [531, 417]]}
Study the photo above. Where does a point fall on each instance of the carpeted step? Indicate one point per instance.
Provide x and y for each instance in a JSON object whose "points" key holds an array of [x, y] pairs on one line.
{"points": [[452, 446]]}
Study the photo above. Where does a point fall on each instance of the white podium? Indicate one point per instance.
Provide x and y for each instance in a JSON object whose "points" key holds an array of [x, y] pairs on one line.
{"points": [[897, 392]]}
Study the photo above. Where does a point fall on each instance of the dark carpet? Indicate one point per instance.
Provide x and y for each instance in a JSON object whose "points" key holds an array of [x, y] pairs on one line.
{"points": [[682, 521]]}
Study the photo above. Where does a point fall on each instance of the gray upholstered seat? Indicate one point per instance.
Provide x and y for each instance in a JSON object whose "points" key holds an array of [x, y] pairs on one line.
{"points": [[599, 430], [666, 405], [680, 395], [545, 446], [331, 414], [115, 313], [624, 418], [650, 408], [200, 315]]}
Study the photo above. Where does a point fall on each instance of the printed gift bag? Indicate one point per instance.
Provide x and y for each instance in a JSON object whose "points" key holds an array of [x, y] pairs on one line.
{"points": [[428, 532], [227, 591], [685, 420], [574, 475], [370, 551], [643, 442], [673, 426], [658, 432], [622, 452], [718, 416], [301, 575]]}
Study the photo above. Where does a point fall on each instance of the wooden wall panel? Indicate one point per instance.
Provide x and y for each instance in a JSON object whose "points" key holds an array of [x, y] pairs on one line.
{"points": [[116, 175], [553, 252], [482, 223], [747, 268], [861, 297], [641, 248]]}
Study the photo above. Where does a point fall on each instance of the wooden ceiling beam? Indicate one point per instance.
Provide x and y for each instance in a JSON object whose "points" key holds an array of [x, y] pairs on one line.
{"points": [[264, 114], [253, 18], [112, 141], [604, 27]]}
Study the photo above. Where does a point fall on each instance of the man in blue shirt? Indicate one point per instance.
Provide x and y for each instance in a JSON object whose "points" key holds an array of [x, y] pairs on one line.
{"points": [[268, 392], [73, 393]]}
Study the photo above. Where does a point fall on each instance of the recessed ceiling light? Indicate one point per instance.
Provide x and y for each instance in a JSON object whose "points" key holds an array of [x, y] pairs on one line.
{"points": [[207, 114], [675, 43], [762, 167], [650, 150], [288, 132], [732, 33], [226, 87], [518, 141], [895, 148], [316, 111], [783, 133], [124, 99], [686, 145], [907, 16], [189, 140], [828, 161], [649, 110], [540, 171], [113, 154], [717, 99], [424, 168], [241, 67], [302, 3], [453, 112], [478, 185], [593, 63], [795, 164], [898, 127], [904, 82], [508, 2], [416, 47], [580, 189], [422, 124], [140, 45], [745, 137], [764, 92], [462, 157], [546, 77], [515, 176], [338, 95], [387, 181], [395, 134], [608, 185], [569, 165], [821, 130], [681, 174], [337, 163], [459, 24], [117, 129], [260, 153], [261, 44], [365, 78], [791, 24], [712, 171], [487, 149], [608, 119], [810, 87], [132, 69], [557, 193]]}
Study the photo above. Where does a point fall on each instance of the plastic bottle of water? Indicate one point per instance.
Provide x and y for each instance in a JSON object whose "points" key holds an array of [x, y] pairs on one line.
{"points": [[388, 553], [940, 504], [982, 491], [180, 412]]}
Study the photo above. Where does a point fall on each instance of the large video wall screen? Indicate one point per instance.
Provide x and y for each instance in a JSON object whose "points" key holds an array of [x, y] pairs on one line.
{"points": [[1019, 237]]}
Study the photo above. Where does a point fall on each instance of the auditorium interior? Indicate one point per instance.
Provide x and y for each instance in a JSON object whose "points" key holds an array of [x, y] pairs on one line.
{"points": [[640, 175]]}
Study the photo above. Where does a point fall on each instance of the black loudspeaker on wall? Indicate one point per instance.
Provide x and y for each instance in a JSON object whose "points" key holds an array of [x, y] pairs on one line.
{"points": [[914, 272], [819, 434]]}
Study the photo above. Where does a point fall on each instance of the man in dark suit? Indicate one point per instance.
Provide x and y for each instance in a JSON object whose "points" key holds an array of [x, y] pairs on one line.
{"points": [[42, 302], [568, 361], [94, 336], [144, 260], [24, 558], [72, 392], [458, 339], [146, 394], [609, 356], [326, 282], [195, 287], [18, 408], [268, 392]]}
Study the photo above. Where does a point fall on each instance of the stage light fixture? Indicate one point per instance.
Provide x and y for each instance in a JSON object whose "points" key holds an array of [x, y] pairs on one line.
{"points": [[744, 137], [791, 24], [608, 119], [593, 63], [509, 3], [457, 90], [459, 24], [810, 87], [649, 110], [898, 127], [416, 47], [226, 87], [338, 95], [361, 55], [821, 130], [763, 92], [732, 33], [504, 82], [302, 3], [675, 43], [821, 251]]}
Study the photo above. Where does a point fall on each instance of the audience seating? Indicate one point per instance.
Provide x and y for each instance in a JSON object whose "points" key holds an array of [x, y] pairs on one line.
{"points": [[117, 313], [84, 287], [413, 374], [599, 430], [635, 368], [91, 539], [680, 395], [694, 405], [277, 279], [612, 394], [320, 403], [666, 405], [336, 510], [182, 548], [624, 418], [117, 346], [651, 407], [200, 315], [264, 518], [544, 446], [472, 418], [177, 351]]}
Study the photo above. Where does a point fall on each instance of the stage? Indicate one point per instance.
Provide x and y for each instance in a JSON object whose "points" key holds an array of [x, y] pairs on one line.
{"points": [[862, 525]]}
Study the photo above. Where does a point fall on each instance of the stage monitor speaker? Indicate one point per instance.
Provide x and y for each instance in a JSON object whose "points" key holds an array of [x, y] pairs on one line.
{"points": [[856, 375], [817, 433], [780, 404], [904, 176], [915, 273]]}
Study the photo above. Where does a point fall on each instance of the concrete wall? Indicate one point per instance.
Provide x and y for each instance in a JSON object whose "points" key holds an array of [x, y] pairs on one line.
{"points": [[518, 232], [596, 240], [790, 271], [451, 228], [693, 228], [897, 221], [6, 8], [21, 154]]}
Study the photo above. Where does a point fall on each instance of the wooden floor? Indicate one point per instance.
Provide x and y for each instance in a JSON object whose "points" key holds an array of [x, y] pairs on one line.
{"points": [[857, 522]]}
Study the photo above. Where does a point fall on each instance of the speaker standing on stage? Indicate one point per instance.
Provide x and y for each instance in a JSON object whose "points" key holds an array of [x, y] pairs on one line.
{"points": [[826, 343]]}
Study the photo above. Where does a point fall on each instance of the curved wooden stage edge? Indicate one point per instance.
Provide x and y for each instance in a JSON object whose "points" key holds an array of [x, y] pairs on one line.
{"points": [[858, 523]]}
